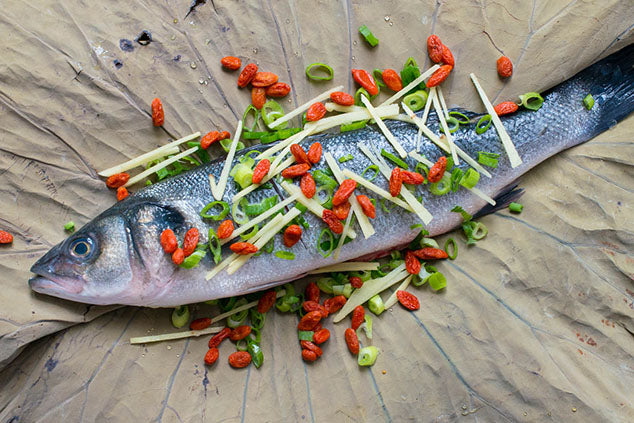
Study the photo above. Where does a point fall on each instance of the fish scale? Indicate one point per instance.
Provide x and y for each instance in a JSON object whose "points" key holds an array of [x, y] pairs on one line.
{"points": [[126, 264]]}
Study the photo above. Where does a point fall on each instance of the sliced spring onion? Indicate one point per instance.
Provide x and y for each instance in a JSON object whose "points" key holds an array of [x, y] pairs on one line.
{"points": [[409, 73], [285, 255], [257, 319], [69, 226], [375, 304], [588, 101], [251, 135], [441, 187], [488, 159], [460, 117], [256, 209], [353, 126], [451, 248], [377, 74], [257, 356], [357, 96], [483, 124], [452, 124], [366, 326], [326, 246], [282, 134], [416, 100], [214, 245], [239, 317], [269, 138], [242, 174], [346, 158], [248, 235], [369, 37], [373, 168], [180, 316], [367, 356], [326, 284], [193, 259], [516, 207], [319, 67], [256, 117], [396, 160], [226, 144], [479, 231], [532, 100], [456, 176], [345, 290], [321, 178], [271, 111], [237, 212], [324, 196], [470, 178], [218, 216], [437, 281], [305, 335]]}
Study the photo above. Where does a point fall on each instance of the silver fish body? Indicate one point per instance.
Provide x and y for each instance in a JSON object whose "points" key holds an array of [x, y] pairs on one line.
{"points": [[120, 259]]}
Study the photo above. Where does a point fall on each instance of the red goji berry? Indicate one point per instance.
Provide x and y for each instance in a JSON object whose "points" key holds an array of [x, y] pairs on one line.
{"points": [[292, 235], [334, 304], [217, 339], [315, 112], [505, 108], [279, 89], [363, 78], [309, 306], [231, 62], [412, 178], [240, 332], [264, 79], [412, 265], [190, 241], [309, 321], [342, 98], [330, 218], [356, 282], [447, 56], [243, 248], [178, 256], [122, 193], [225, 230], [5, 237], [117, 180], [358, 316], [200, 324], [367, 206], [258, 97], [429, 253], [266, 301], [314, 152], [396, 182], [307, 184], [505, 67], [308, 355], [169, 241], [211, 356], [317, 328], [439, 76], [437, 170], [307, 345], [224, 135], [208, 139], [342, 210], [300, 155], [434, 48], [247, 75], [158, 115], [392, 80], [320, 336], [239, 359], [261, 170], [408, 300], [312, 292], [295, 171], [352, 341], [344, 191]]}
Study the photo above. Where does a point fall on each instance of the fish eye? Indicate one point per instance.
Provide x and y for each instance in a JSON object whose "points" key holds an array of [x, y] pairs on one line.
{"points": [[81, 247]]}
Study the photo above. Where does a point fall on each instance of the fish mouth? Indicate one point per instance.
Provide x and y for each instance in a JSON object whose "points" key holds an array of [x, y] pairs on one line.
{"points": [[59, 286]]}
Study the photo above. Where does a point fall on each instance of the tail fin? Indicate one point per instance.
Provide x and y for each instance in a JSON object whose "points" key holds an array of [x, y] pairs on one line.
{"points": [[508, 195]]}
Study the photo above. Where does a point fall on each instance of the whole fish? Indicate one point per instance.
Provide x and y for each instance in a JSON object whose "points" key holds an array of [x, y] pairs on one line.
{"points": [[117, 257]]}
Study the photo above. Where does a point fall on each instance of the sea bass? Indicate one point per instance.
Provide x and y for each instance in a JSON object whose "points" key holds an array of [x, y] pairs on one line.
{"points": [[117, 258]]}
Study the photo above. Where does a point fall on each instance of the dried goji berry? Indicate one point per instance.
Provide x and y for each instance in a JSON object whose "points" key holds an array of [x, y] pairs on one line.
{"points": [[434, 48], [307, 345], [190, 241], [224, 135], [264, 79], [240, 332], [243, 248], [439, 76], [505, 108], [447, 56], [392, 80], [363, 78], [315, 112], [334, 304], [330, 218], [412, 178], [314, 152], [320, 336], [307, 184], [231, 62], [408, 300], [239, 359], [367, 206], [209, 138], [211, 356], [247, 75], [225, 230], [505, 67], [178, 256], [258, 97], [342, 98], [352, 341], [356, 282], [117, 180], [279, 89], [312, 292], [308, 355], [158, 115], [295, 170], [200, 324], [309, 321], [342, 210], [169, 241], [217, 339], [317, 328], [292, 235], [122, 193], [437, 170], [261, 170], [358, 316], [266, 301], [396, 182], [412, 265], [5, 237], [300, 155], [429, 253], [344, 191], [315, 306]]}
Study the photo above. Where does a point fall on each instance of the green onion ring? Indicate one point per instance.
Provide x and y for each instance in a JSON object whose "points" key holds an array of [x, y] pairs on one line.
{"points": [[223, 213], [322, 67], [588, 101], [247, 236], [452, 124], [461, 118], [325, 253], [271, 111], [346, 158], [479, 231], [285, 255], [239, 216], [480, 129], [256, 117], [353, 126], [470, 178], [374, 168], [450, 245], [377, 74], [441, 187], [416, 100], [367, 356], [396, 160], [369, 36], [532, 101]]}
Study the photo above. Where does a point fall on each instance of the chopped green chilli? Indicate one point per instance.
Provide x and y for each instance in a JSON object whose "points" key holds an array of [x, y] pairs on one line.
{"points": [[451, 248], [588, 101], [285, 255], [416, 100], [483, 124], [516, 207], [346, 158], [218, 216], [396, 160], [369, 37], [532, 101], [353, 126], [69, 226], [488, 159], [323, 68], [460, 117]]}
